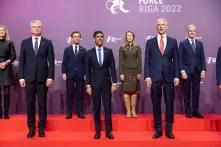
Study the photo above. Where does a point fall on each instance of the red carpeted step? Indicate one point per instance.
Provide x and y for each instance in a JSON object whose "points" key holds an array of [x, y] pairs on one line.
{"points": [[122, 138], [120, 123]]}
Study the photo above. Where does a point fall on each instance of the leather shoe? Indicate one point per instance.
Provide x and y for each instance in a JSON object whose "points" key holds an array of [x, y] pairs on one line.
{"points": [[97, 135], [68, 116], [41, 133], [198, 115], [31, 133], [157, 134], [81, 116], [170, 135], [109, 135], [188, 115]]}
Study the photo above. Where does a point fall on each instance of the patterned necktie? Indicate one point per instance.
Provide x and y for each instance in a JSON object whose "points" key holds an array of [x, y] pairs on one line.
{"points": [[36, 46], [193, 45], [99, 56], [161, 45]]}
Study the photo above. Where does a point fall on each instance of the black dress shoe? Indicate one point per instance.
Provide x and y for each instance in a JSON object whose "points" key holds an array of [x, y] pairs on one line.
{"points": [[157, 134], [97, 135], [81, 116], [41, 133], [109, 135], [197, 115], [170, 135], [68, 116], [188, 115], [1, 116], [31, 133]]}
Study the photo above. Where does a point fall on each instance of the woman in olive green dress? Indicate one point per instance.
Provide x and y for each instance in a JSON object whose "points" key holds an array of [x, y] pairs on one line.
{"points": [[7, 56], [130, 71]]}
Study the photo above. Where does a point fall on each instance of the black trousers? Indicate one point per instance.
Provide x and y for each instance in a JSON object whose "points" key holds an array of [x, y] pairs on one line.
{"points": [[75, 86], [40, 89], [103, 93], [156, 93], [191, 92], [4, 109]]}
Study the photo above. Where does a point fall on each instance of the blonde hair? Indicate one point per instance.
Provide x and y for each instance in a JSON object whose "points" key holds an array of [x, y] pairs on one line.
{"points": [[125, 38], [6, 32]]}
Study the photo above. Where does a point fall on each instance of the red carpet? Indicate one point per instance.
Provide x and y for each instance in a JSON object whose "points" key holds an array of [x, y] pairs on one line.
{"points": [[60, 132]]}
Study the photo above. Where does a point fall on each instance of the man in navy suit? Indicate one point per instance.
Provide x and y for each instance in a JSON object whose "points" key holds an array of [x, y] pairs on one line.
{"points": [[36, 74], [161, 70], [73, 72], [218, 68], [193, 68], [101, 81]]}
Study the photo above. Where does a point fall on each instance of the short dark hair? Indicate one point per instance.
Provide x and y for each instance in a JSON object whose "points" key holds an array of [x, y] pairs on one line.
{"points": [[97, 32], [75, 33]]}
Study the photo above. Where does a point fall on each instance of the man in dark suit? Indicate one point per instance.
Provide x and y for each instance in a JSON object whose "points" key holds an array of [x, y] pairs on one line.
{"points": [[161, 73], [36, 74], [101, 81], [218, 68], [73, 71], [193, 68]]}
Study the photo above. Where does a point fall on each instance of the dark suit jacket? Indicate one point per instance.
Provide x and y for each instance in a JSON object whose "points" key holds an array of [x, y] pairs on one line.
{"points": [[190, 59], [37, 67], [159, 66], [74, 65], [97, 75], [218, 66]]}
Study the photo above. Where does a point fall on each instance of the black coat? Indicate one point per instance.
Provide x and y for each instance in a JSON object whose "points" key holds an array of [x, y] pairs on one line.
{"points": [[7, 52]]}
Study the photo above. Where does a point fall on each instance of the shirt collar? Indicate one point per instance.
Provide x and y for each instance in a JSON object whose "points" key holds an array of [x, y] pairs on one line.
{"points": [[164, 36], [39, 37], [73, 45], [190, 39], [96, 47]]}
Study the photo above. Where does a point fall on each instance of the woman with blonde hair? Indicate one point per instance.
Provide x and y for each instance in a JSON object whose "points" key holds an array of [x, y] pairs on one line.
{"points": [[130, 71], [7, 56]]}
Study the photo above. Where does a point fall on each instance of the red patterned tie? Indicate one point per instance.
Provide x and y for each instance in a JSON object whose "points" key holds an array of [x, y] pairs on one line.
{"points": [[161, 45]]}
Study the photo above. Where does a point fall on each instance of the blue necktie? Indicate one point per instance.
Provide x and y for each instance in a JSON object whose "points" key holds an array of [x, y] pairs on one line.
{"points": [[36, 45], [99, 56]]}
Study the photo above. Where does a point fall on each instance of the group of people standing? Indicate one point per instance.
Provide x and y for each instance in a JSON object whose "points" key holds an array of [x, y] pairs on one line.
{"points": [[165, 65]]}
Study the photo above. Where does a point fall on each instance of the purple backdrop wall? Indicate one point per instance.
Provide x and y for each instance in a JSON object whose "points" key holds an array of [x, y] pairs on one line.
{"points": [[61, 17]]}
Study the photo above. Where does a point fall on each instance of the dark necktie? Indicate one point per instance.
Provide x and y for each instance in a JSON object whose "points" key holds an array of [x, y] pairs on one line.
{"points": [[75, 50], [36, 46], [99, 56], [193, 45]]}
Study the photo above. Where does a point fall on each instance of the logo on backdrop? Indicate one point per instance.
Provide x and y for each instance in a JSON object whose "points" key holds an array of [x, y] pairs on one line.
{"points": [[114, 5], [111, 39]]}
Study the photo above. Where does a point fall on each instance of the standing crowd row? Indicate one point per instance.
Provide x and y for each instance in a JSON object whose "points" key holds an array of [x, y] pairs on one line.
{"points": [[165, 66]]}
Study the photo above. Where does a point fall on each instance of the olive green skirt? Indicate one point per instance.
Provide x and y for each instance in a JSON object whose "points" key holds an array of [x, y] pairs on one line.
{"points": [[130, 83]]}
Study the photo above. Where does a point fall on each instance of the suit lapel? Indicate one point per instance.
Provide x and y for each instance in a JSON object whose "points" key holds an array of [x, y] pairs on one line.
{"points": [[105, 56], [157, 46], [167, 46], [95, 55], [31, 45], [189, 46]]}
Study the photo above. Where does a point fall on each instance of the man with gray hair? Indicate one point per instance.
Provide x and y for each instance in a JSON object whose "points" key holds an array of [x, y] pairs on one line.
{"points": [[161, 71], [193, 68], [36, 74]]}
